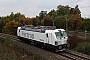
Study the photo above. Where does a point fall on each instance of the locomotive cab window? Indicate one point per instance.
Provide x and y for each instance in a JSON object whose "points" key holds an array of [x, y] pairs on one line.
{"points": [[61, 34], [57, 35]]}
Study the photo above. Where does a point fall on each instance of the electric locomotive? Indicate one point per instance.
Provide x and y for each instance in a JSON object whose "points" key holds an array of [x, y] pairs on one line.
{"points": [[47, 36]]}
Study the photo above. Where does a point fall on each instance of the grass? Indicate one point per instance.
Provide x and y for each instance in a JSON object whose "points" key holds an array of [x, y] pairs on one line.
{"points": [[9, 51], [83, 47]]}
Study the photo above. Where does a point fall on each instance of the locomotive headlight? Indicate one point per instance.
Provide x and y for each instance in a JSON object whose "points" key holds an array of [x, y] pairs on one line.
{"points": [[56, 43]]}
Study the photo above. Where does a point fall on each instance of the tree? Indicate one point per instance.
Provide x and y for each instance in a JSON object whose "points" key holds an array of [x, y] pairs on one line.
{"points": [[60, 22], [34, 21], [42, 14], [75, 22], [11, 16], [77, 11], [79, 25], [2, 23], [62, 10], [38, 21], [86, 25], [47, 21], [52, 13], [10, 27]]}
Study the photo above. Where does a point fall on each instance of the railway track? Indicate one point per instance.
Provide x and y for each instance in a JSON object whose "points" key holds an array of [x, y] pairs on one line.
{"points": [[78, 55], [75, 55], [67, 55]]}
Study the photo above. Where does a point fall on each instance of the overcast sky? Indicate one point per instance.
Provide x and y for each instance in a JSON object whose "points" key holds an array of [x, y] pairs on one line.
{"points": [[31, 8]]}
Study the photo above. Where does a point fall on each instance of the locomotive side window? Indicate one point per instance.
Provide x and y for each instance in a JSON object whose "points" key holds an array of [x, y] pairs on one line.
{"points": [[19, 30], [46, 35]]}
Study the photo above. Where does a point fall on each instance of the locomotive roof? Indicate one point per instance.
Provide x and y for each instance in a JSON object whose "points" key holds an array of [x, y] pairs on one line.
{"points": [[37, 28]]}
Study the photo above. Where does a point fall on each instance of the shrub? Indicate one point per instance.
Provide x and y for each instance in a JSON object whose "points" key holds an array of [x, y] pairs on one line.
{"points": [[83, 47], [73, 40]]}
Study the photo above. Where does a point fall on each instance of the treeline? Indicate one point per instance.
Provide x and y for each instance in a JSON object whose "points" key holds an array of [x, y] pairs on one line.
{"points": [[64, 17]]}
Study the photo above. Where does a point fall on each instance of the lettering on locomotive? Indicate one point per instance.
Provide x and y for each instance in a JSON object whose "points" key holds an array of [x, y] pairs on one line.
{"points": [[27, 35]]}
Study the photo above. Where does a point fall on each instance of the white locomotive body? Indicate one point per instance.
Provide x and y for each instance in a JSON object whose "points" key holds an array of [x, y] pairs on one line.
{"points": [[46, 36]]}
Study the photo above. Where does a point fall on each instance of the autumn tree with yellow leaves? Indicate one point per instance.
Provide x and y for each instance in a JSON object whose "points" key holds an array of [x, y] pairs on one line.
{"points": [[10, 27]]}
